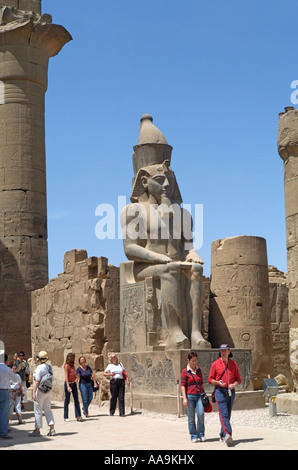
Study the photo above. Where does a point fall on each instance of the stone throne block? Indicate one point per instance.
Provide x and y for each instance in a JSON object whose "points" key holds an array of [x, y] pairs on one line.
{"points": [[141, 325]]}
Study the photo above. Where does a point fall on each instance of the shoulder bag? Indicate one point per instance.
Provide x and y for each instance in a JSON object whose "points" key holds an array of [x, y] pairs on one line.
{"points": [[204, 397]]}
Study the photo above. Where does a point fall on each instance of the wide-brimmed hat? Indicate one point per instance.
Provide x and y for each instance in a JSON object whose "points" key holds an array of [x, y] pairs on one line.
{"points": [[42, 356]]}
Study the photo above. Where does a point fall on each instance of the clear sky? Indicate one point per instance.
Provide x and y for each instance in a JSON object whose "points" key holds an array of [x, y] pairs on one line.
{"points": [[213, 74]]}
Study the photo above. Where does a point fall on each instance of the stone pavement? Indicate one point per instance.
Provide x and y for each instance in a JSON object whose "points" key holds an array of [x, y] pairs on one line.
{"points": [[141, 430]]}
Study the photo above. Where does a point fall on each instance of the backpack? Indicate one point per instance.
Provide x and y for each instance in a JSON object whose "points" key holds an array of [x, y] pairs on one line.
{"points": [[46, 382]]}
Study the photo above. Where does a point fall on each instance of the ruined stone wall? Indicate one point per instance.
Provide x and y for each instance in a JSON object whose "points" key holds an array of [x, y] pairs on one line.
{"points": [[77, 312], [278, 293]]}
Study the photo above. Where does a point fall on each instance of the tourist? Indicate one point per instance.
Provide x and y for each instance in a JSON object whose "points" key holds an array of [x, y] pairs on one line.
{"points": [[15, 395], [70, 387], [6, 375], [42, 401], [23, 371], [192, 387], [224, 376], [86, 378], [117, 384]]}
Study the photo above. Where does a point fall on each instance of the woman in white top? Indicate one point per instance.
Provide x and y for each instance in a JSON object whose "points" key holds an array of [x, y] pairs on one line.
{"points": [[116, 371]]}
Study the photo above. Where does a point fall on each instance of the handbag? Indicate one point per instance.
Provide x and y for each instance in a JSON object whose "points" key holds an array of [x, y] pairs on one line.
{"points": [[94, 386], [124, 375], [205, 400], [213, 399]]}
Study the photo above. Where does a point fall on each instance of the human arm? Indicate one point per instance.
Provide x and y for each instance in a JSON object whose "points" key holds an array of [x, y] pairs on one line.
{"points": [[108, 373], [183, 388], [66, 377], [236, 376], [135, 236], [184, 399]]}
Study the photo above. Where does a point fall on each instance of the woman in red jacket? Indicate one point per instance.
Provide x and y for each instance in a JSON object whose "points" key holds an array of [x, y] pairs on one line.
{"points": [[224, 375], [192, 388]]}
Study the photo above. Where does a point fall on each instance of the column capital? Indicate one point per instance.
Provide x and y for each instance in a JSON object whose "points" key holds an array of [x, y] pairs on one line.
{"points": [[287, 139], [30, 28], [25, 5]]}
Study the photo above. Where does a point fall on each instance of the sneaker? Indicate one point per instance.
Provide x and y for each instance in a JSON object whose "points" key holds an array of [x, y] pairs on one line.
{"points": [[66, 420], [34, 433], [228, 440], [221, 439], [52, 432], [203, 439], [194, 439], [80, 419]]}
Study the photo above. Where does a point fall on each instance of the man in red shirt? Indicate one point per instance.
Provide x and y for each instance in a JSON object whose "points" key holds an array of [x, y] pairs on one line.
{"points": [[224, 375]]}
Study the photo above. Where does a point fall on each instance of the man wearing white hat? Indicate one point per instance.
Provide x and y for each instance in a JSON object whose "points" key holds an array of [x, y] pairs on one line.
{"points": [[42, 401]]}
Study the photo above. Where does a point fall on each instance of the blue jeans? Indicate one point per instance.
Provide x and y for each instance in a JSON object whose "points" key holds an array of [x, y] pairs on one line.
{"points": [[4, 412], [225, 404], [87, 396], [74, 391], [195, 406]]}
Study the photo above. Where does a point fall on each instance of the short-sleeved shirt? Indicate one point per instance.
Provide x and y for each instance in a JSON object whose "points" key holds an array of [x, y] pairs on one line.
{"points": [[41, 370], [20, 371], [85, 375], [15, 386], [117, 369]]}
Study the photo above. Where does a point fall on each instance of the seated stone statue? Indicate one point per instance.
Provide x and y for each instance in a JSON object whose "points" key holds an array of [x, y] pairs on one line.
{"points": [[157, 235]]}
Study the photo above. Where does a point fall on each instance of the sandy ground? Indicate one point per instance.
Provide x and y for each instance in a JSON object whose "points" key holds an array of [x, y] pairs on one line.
{"points": [[143, 430]]}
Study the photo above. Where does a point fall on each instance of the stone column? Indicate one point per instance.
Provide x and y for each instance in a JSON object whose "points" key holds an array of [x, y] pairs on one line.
{"points": [[27, 41], [288, 150], [239, 305]]}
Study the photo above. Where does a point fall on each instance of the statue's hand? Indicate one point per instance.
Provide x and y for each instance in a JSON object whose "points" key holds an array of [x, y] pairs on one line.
{"points": [[160, 258], [194, 257]]}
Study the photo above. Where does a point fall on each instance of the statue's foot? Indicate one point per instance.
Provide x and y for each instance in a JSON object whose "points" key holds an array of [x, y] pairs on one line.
{"points": [[178, 341], [198, 342]]}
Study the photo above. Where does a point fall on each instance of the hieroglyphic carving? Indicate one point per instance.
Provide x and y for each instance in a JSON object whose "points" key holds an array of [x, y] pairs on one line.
{"points": [[157, 377], [133, 315]]}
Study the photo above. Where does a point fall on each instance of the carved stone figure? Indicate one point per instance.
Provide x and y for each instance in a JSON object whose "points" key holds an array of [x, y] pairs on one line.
{"points": [[157, 234]]}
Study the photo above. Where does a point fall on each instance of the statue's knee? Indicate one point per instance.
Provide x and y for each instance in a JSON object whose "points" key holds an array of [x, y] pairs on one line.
{"points": [[197, 269], [173, 268]]}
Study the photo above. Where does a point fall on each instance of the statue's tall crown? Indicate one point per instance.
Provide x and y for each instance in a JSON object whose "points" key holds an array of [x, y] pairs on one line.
{"points": [[152, 147]]}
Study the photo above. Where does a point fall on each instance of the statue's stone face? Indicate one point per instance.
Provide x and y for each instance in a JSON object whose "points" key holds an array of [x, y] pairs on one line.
{"points": [[159, 185]]}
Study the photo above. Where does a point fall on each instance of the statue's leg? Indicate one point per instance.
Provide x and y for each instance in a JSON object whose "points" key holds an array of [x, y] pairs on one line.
{"points": [[196, 299], [171, 305], [170, 277]]}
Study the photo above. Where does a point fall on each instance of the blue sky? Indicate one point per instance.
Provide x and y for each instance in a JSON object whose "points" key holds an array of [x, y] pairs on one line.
{"points": [[214, 75]]}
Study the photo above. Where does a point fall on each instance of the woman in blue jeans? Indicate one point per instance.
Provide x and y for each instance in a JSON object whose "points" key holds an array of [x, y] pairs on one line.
{"points": [[85, 376], [192, 388], [70, 387]]}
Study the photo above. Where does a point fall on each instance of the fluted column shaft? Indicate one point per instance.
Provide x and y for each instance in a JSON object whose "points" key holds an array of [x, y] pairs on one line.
{"points": [[288, 150], [27, 41]]}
